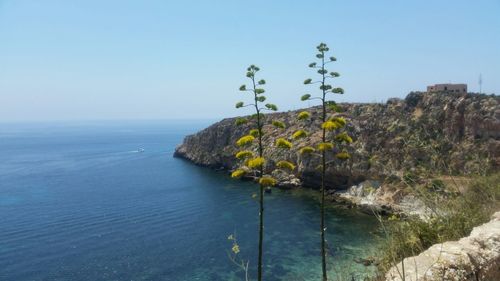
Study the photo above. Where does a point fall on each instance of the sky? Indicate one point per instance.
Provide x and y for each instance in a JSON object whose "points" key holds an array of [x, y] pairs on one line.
{"points": [[133, 60]]}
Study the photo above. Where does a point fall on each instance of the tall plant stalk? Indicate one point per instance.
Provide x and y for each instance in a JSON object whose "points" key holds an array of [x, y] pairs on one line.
{"points": [[323, 169], [327, 146], [254, 163], [261, 187]]}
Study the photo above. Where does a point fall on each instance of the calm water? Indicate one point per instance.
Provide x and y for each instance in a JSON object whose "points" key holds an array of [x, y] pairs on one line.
{"points": [[79, 202]]}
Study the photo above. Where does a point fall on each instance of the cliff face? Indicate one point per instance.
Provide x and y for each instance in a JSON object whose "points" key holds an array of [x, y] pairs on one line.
{"points": [[443, 133]]}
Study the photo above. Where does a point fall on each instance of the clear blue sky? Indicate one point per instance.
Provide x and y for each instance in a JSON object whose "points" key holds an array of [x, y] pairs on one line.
{"points": [[80, 60]]}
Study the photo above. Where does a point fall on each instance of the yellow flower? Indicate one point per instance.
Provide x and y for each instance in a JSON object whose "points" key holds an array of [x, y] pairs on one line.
{"points": [[285, 165], [245, 140], [343, 137], [306, 150], [256, 162], [283, 143], [267, 181], [339, 120], [343, 155], [237, 173], [303, 115], [244, 154], [254, 132], [279, 124], [330, 125], [236, 249], [299, 134], [325, 146], [230, 237]]}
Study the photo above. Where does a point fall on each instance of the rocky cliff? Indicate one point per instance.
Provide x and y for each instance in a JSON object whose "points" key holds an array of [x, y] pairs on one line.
{"points": [[439, 132]]}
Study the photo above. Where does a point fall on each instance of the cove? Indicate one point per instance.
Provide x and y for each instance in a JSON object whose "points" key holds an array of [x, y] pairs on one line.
{"points": [[107, 201]]}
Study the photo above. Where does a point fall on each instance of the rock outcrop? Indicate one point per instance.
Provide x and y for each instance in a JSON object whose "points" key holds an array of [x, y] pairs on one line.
{"points": [[440, 132], [476, 257], [374, 197]]}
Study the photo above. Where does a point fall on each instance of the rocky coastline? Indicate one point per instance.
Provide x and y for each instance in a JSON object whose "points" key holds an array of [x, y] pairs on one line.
{"points": [[438, 133], [396, 144]]}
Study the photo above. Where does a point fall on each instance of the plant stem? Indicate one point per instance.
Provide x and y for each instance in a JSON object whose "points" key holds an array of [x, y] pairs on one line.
{"points": [[323, 175], [261, 189]]}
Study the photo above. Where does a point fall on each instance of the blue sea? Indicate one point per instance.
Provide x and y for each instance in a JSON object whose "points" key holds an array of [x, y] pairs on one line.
{"points": [[82, 201]]}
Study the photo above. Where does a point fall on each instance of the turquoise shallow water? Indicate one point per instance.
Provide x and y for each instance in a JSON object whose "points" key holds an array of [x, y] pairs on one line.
{"points": [[79, 202]]}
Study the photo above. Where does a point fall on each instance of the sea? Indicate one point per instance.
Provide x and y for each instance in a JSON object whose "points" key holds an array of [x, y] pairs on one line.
{"points": [[90, 201]]}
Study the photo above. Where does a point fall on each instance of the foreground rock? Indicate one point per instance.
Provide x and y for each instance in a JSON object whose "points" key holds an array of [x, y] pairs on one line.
{"points": [[476, 257]]}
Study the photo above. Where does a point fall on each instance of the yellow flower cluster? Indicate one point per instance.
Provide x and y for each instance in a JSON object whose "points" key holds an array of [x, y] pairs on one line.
{"points": [[256, 162], [244, 154], [279, 124], [254, 132], [283, 143], [330, 125], [343, 137], [267, 181], [324, 146], [303, 115], [306, 150], [299, 134], [339, 120], [237, 173], [286, 165], [235, 249], [245, 140], [343, 155]]}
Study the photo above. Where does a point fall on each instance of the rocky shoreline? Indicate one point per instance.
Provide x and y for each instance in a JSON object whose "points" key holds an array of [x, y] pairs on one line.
{"points": [[381, 199]]}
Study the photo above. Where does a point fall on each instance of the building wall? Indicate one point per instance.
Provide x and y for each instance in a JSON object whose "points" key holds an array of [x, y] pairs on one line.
{"points": [[450, 88]]}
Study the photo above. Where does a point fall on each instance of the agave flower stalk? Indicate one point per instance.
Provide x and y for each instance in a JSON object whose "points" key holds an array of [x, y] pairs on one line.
{"points": [[329, 125], [256, 162]]}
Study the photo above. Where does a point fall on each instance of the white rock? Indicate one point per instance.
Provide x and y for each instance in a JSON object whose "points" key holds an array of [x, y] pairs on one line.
{"points": [[476, 257]]}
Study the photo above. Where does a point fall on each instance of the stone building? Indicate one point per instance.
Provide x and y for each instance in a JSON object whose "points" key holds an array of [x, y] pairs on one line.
{"points": [[449, 88]]}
